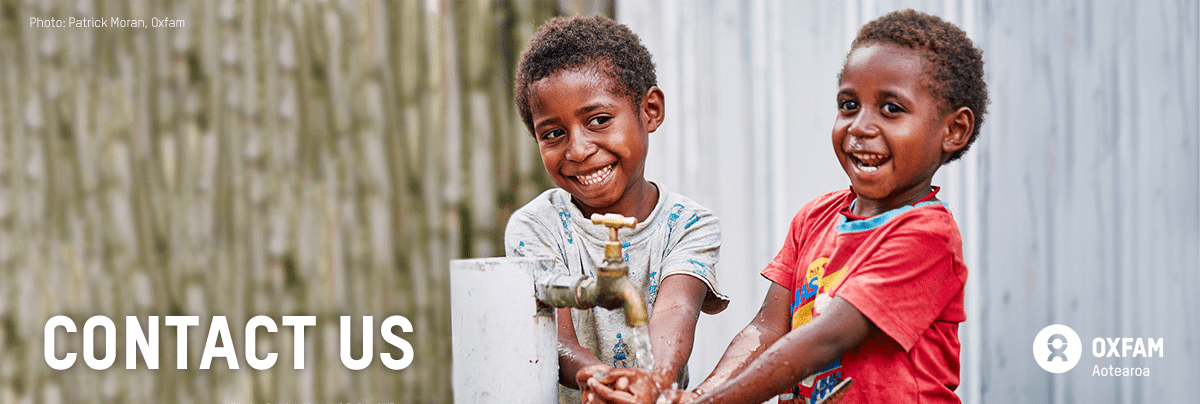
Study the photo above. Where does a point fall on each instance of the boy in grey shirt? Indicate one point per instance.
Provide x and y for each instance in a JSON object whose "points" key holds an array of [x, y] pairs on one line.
{"points": [[586, 91]]}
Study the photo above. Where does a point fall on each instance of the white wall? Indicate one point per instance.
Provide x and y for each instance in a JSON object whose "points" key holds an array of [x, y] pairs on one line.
{"points": [[1079, 204]]}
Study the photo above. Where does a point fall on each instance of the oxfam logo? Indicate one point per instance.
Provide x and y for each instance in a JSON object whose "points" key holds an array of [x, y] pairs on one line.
{"points": [[1057, 348]]}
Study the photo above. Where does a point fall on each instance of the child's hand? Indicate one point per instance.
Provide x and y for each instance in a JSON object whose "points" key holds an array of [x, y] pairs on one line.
{"points": [[622, 386], [585, 374]]}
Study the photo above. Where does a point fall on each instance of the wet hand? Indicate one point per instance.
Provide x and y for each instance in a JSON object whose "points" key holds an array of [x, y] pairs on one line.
{"points": [[585, 374], [624, 386]]}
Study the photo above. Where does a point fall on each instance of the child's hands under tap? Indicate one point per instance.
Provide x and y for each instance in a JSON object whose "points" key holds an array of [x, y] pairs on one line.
{"points": [[621, 386]]}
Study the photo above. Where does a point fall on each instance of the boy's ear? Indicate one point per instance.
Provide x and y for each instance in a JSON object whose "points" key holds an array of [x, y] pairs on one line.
{"points": [[959, 125], [653, 109]]}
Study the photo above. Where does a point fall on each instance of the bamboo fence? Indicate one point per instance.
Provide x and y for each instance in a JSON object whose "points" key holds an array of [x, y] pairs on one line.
{"points": [[275, 158]]}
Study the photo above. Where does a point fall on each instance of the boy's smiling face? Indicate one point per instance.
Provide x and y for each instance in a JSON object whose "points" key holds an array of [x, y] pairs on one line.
{"points": [[890, 135], [593, 142]]}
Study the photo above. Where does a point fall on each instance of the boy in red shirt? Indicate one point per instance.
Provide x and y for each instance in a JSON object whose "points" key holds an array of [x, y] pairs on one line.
{"points": [[868, 287]]}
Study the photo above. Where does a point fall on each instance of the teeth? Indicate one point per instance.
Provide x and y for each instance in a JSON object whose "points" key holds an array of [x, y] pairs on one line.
{"points": [[595, 176], [871, 160]]}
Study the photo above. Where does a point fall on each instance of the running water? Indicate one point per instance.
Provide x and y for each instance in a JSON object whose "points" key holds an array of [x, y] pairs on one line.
{"points": [[640, 343]]}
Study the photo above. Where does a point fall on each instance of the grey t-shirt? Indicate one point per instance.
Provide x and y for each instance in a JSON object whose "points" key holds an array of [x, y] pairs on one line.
{"points": [[679, 237]]}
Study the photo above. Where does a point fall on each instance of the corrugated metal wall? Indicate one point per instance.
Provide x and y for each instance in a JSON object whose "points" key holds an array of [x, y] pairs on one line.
{"points": [[1079, 204]]}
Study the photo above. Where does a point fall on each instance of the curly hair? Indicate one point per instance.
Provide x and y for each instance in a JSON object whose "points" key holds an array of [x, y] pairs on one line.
{"points": [[578, 42], [953, 62]]}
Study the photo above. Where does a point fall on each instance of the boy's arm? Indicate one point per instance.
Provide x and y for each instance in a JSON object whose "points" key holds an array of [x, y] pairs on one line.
{"points": [[573, 357], [796, 355], [771, 323], [673, 325]]}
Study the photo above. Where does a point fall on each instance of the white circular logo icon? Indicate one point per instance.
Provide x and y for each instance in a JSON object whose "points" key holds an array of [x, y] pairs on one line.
{"points": [[1057, 348]]}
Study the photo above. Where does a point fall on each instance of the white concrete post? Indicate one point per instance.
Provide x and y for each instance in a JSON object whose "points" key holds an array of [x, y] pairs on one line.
{"points": [[505, 350]]}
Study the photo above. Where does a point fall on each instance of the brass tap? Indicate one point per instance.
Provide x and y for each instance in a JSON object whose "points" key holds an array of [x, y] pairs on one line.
{"points": [[610, 289], [613, 277]]}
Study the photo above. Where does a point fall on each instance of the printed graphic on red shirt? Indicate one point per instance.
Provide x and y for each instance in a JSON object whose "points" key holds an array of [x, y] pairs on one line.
{"points": [[810, 299]]}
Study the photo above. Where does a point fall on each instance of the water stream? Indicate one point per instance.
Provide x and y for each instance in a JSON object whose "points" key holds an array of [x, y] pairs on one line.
{"points": [[640, 344]]}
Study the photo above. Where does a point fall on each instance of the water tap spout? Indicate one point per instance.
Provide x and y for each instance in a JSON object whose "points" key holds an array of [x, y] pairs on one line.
{"points": [[635, 307], [610, 289]]}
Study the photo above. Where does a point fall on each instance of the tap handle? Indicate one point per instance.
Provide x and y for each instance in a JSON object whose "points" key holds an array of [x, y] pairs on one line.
{"points": [[614, 222]]}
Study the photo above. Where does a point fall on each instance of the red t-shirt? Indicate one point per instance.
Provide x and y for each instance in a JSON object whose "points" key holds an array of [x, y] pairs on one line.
{"points": [[902, 269]]}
